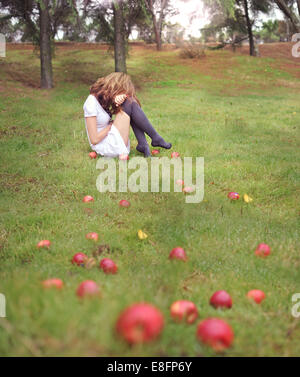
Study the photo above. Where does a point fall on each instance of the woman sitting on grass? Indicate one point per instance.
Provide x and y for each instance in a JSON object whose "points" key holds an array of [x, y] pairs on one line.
{"points": [[115, 95]]}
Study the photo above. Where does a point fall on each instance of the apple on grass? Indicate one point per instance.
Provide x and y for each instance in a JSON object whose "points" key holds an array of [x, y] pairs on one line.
{"points": [[140, 323], [215, 333], [155, 152], [184, 311], [79, 259], [221, 299], [233, 195], [256, 295], [175, 154], [188, 189], [43, 243], [53, 283], [93, 155], [178, 253], [88, 198], [108, 266], [124, 157], [92, 236], [88, 288], [124, 203], [263, 250], [180, 182]]}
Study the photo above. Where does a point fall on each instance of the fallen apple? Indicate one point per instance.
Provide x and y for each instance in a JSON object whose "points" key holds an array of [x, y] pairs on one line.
{"points": [[88, 198], [92, 236], [179, 182], [247, 198], [140, 323], [263, 250], [233, 195], [188, 189], [183, 310], [216, 333], [221, 299], [53, 283], [93, 155], [155, 152], [256, 295], [124, 203], [142, 235], [88, 288], [175, 154], [178, 253], [44, 243], [79, 259], [124, 157], [108, 266]]}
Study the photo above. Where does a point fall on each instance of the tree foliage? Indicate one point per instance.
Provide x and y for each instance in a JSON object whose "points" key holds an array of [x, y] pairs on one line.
{"points": [[234, 20]]}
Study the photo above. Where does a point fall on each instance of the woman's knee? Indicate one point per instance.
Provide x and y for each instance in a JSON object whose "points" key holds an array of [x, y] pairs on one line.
{"points": [[128, 105]]}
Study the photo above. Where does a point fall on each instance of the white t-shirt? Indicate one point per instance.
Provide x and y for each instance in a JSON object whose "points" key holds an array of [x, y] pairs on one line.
{"points": [[92, 108], [112, 145]]}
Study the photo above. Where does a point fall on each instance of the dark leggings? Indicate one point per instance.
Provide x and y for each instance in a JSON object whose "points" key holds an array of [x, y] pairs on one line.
{"points": [[141, 125]]}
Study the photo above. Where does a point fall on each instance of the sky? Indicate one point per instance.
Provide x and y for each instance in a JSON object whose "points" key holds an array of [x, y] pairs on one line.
{"points": [[186, 8]]}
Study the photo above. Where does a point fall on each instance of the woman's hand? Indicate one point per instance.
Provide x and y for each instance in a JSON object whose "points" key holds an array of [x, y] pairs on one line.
{"points": [[120, 99]]}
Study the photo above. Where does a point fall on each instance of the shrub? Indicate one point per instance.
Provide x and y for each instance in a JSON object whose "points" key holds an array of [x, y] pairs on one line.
{"points": [[192, 50]]}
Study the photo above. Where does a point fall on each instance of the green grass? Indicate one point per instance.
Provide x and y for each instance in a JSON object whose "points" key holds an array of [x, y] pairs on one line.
{"points": [[241, 114]]}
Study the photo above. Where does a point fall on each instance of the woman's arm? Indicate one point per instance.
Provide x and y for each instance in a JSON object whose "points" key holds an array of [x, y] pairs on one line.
{"points": [[94, 135]]}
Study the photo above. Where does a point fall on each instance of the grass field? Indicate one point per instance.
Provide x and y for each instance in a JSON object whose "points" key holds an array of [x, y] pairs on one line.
{"points": [[241, 114]]}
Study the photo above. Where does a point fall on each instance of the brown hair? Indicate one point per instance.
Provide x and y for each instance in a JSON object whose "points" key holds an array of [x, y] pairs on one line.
{"points": [[107, 88]]}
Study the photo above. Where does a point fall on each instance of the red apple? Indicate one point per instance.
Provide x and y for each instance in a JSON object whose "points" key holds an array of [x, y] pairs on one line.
{"points": [[108, 266], [188, 189], [44, 243], [140, 323], [216, 333], [79, 259], [256, 295], [155, 152], [88, 198], [92, 236], [93, 155], [178, 253], [175, 155], [179, 182], [263, 250], [53, 283], [233, 195], [124, 157], [183, 310], [124, 203], [88, 288], [221, 299]]}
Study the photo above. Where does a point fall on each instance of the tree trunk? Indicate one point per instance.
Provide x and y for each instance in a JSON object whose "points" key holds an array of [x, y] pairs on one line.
{"points": [[157, 34], [157, 24], [288, 32], [249, 28], [298, 5], [119, 42], [45, 46]]}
